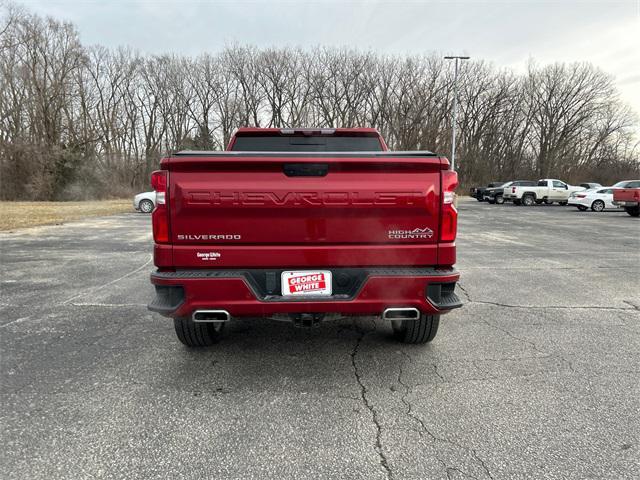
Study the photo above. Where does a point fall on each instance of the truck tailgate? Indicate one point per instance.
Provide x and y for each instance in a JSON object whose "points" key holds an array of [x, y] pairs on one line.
{"points": [[305, 200], [626, 195]]}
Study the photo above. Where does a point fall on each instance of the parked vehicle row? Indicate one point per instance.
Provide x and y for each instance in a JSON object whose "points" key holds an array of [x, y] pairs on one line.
{"points": [[585, 196], [496, 194], [547, 190]]}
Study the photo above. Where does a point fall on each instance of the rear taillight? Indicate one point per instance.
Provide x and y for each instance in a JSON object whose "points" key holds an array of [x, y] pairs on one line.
{"points": [[513, 189], [449, 215], [160, 215], [581, 195]]}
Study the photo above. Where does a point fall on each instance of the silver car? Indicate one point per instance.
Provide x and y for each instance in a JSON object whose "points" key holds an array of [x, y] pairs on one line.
{"points": [[145, 202]]}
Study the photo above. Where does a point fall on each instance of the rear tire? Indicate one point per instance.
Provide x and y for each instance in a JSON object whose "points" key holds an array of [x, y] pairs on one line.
{"points": [[499, 199], [422, 330], [528, 200], [633, 211], [597, 206], [194, 334]]}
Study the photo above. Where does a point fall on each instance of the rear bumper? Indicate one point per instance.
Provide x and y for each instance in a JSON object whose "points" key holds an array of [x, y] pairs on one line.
{"points": [[625, 203], [256, 293]]}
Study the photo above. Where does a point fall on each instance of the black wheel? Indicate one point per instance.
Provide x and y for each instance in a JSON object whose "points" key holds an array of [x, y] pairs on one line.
{"points": [[499, 199], [422, 330], [194, 334], [146, 206], [517, 202], [563, 203], [528, 200], [633, 211], [597, 206], [582, 208]]}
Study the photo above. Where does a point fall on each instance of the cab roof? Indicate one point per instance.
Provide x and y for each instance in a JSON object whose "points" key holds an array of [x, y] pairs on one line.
{"points": [[369, 132]]}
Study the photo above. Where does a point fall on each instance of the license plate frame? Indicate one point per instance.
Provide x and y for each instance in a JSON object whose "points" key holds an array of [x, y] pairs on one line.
{"points": [[298, 283]]}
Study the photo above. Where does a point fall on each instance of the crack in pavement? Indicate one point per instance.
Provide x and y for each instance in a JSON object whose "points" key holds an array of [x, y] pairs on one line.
{"points": [[464, 291], [100, 287], [434, 438], [530, 343], [453, 469], [72, 304], [408, 406], [374, 414], [632, 307], [556, 307], [435, 369], [17, 320]]}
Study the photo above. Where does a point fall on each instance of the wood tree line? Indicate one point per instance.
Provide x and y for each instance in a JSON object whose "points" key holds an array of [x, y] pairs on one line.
{"points": [[88, 122]]}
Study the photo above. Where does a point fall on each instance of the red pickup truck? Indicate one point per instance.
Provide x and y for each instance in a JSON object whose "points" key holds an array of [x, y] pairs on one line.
{"points": [[304, 225], [626, 194]]}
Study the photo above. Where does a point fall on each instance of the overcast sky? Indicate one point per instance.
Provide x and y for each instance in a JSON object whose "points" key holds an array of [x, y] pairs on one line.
{"points": [[507, 33]]}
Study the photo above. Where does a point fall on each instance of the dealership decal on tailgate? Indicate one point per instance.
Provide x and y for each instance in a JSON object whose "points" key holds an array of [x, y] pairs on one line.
{"points": [[306, 283]]}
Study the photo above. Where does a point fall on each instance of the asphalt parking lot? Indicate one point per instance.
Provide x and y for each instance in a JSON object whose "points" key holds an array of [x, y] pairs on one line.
{"points": [[536, 377]]}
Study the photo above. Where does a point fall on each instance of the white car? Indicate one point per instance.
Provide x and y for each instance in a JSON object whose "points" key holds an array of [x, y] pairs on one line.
{"points": [[597, 199], [145, 202]]}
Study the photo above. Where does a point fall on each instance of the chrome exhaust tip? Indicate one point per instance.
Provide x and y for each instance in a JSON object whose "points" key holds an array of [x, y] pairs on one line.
{"points": [[401, 314], [210, 316]]}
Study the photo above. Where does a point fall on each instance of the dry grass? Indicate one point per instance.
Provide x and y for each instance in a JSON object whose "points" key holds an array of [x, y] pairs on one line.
{"points": [[29, 214]]}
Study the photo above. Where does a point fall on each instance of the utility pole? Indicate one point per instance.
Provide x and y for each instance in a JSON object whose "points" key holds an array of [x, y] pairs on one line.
{"points": [[455, 109]]}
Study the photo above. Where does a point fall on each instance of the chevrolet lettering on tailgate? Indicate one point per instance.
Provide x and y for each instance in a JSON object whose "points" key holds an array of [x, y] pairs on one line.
{"points": [[249, 198]]}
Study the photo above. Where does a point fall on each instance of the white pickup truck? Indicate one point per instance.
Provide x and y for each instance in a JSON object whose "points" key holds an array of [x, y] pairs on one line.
{"points": [[548, 190]]}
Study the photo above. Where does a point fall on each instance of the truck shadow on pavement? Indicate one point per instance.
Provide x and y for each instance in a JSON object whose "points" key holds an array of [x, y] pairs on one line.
{"points": [[258, 355]]}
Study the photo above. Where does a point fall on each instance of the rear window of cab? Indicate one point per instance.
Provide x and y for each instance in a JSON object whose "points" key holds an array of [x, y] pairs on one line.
{"points": [[306, 143]]}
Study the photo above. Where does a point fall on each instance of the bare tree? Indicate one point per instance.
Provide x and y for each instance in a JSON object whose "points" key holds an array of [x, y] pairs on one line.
{"points": [[78, 122]]}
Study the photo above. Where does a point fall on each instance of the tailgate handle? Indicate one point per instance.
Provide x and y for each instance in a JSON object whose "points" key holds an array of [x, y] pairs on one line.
{"points": [[306, 169]]}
